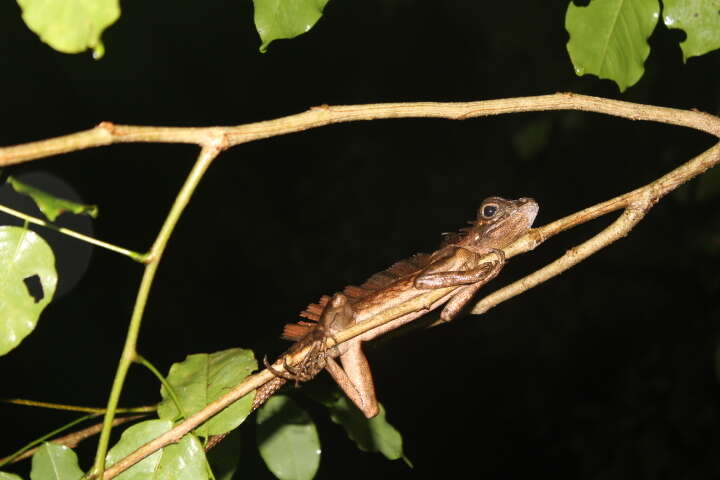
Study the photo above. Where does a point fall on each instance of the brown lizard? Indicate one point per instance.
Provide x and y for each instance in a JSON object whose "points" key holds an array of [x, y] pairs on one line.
{"points": [[456, 264]]}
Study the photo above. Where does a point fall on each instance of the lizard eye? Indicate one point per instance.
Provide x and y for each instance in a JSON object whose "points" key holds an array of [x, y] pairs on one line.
{"points": [[489, 210]]}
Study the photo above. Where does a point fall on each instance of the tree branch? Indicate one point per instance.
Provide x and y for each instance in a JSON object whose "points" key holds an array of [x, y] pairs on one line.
{"points": [[107, 133]]}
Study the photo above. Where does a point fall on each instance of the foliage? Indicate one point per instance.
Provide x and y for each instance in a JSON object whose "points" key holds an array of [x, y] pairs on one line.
{"points": [[608, 38]]}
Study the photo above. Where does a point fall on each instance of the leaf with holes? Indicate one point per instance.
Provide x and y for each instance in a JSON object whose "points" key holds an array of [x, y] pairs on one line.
{"points": [[26, 263], [55, 462], [701, 21], [279, 19], [50, 205], [203, 378], [71, 26], [287, 439], [608, 38], [184, 460]]}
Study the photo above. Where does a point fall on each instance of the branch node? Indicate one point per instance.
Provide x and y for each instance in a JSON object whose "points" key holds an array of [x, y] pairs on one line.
{"points": [[107, 126]]}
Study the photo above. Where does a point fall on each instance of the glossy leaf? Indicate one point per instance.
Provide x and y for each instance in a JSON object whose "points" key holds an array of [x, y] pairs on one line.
{"points": [[25, 260], [50, 205], [201, 379], [287, 439], [9, 476], [184, 460], [71, 26], [278, 19], [701, 21], [608, 38], [370, 435], [55, 462], [132, 438]]}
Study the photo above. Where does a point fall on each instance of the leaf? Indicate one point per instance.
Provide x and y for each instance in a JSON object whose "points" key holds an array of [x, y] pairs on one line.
{"points": [[278, 19], [9, 476], [184, 460], [71, 26], [132, 438], [201, 379], [370, 435], [25, 260], [50, 205], [701, 21], [225, 456], [608, 38], [287, 439], [55, 462]]}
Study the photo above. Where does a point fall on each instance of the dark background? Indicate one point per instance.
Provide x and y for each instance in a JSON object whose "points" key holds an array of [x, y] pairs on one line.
{"points": [[605, 372]]}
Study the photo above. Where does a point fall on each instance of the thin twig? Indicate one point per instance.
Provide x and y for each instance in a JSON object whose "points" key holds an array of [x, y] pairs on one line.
{"points": [[138, 257], [74, 408], [72, 440], [107, 133], [129, 354]]}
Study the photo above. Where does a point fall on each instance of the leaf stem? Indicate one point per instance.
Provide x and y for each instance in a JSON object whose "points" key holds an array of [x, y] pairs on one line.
{"points": [[129, 353], [144, 361], [37, 441], [75, 408], [138, 257]]}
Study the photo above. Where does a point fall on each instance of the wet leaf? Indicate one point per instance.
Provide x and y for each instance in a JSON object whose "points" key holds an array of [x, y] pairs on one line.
{"points": [[278, 19], [701, 21], [608, 38]]}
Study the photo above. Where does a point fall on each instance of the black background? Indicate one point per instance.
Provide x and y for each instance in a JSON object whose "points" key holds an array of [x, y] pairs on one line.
{"points": [[605, 372]]}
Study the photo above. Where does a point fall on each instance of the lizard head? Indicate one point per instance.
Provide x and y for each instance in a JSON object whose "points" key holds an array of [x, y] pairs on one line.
{"points": [[499, 223]]}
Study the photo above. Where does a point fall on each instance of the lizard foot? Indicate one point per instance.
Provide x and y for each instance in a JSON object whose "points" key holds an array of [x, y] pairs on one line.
{"points": [[305, 370]]}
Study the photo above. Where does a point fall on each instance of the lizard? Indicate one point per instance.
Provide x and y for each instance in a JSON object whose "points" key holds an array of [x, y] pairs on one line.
{"points": [[455, 264]]}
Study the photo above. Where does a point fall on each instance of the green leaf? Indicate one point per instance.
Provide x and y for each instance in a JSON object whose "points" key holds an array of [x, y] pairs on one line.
{"points": [[50, 205], [132, 438], [55, 462], [201, 379], [608, 38], [278, 19], [9, 476], [370, 435], [24, 255], [224, 458], [184, 460], [701, 21], [287, 439], [71, 26]]}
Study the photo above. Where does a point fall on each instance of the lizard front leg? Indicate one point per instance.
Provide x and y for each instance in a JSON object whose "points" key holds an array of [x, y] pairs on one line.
{"points": [[483, 273]]}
